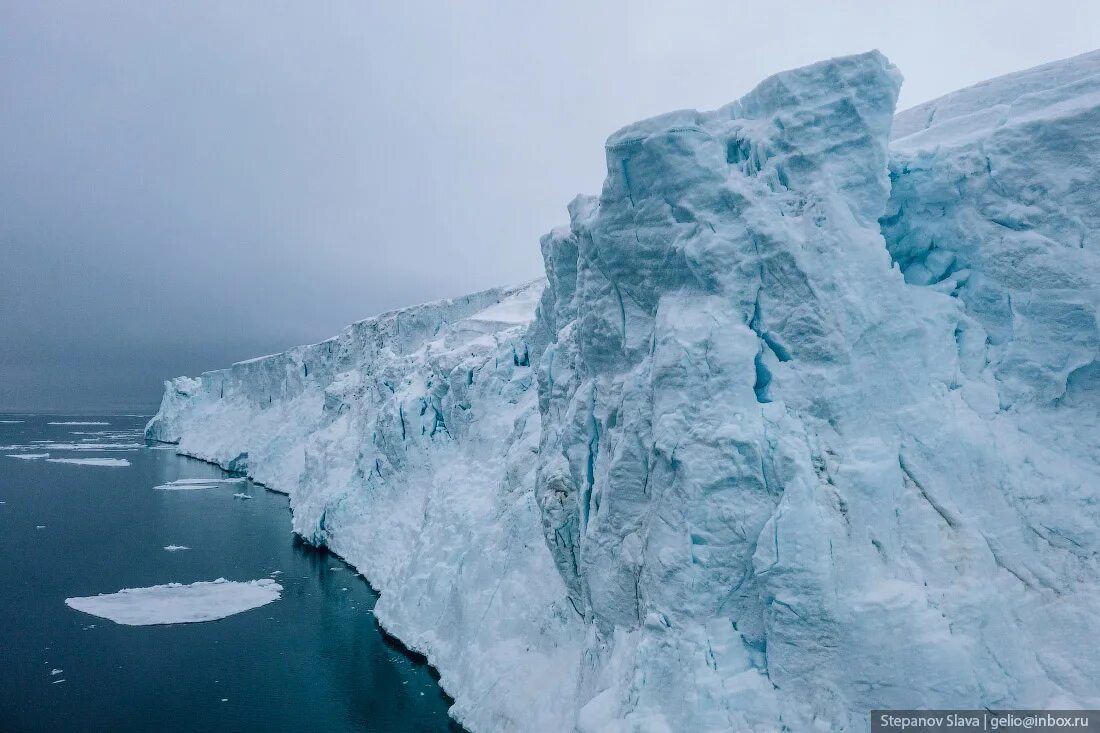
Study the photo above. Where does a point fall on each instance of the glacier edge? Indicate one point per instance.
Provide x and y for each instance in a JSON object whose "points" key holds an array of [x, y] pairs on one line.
{"points": [[803, 421]]}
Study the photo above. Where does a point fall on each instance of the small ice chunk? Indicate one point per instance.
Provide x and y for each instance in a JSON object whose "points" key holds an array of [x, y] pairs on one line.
{"points": [[56, 671], [84, 446], [10, 422], [39, 526], [116, 462], [242, 496], [195, 484], [78, 422], [176, 548], [175, 603], [58, 682], [29, 456]]}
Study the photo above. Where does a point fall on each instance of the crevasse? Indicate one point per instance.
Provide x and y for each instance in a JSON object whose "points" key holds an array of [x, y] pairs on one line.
{"points": [[801, 423]]}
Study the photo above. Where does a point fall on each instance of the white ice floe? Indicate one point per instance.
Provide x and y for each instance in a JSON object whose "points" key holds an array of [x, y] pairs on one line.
{"points": [[241, 495], [176, 548], [89, 446], [29, 456], [175, 603], [114, 462], [78, 422], [55, 672], [195, 484], [10, 422]]}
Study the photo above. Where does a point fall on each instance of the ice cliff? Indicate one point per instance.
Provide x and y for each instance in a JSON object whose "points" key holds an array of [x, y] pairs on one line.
{"points": [[802, 422]]}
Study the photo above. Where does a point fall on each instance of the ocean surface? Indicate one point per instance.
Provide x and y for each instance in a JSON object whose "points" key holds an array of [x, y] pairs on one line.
{"points": [[313, 660]]}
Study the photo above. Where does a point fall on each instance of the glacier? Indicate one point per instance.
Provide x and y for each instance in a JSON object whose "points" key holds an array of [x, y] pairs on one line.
{"points": [[802, 421]]}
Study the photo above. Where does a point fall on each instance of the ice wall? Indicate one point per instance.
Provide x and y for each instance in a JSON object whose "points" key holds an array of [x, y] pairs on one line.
{"points": [[407, 446], [815, 430], [784, 484]]}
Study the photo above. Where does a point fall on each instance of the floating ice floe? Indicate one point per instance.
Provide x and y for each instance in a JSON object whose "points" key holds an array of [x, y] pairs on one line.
{"points": [[78, 422], [195, 484], [29, 456], [10, 422], [241, 495], [175, 603], [51, 445], [114, 462], [176, 548]]}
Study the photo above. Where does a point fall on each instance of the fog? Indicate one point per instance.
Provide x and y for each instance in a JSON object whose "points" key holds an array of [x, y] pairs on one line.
{"points": [[188, 184]]}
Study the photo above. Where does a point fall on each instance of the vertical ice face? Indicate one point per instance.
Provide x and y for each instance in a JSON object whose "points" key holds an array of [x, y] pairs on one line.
{"points": [[994, 202], [807, 424], [769, 473]]}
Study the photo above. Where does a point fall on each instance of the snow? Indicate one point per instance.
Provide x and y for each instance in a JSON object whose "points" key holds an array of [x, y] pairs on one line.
{"points": [[804, 423], [113, 462], [175, 603], [78, 422], [29, 456]]}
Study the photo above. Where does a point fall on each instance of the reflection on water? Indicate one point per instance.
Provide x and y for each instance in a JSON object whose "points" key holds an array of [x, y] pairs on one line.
{"points": [[313, 660]]}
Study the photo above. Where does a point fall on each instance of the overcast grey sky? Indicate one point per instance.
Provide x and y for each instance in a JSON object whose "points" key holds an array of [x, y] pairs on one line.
{"points": [[185, 184]]}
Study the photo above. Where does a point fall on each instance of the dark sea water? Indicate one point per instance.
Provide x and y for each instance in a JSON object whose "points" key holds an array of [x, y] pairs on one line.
{"points": [[312, 661]]}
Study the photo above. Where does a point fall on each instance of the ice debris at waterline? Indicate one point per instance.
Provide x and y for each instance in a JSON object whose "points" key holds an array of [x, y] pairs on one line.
{"points": [[179, 604], [197, 484], [115, 462], [803, 425], [29, 456]]}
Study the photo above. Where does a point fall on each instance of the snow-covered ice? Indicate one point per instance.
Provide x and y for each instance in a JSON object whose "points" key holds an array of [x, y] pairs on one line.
{"points": [[174, 603], [801, 423], [115, 462]]}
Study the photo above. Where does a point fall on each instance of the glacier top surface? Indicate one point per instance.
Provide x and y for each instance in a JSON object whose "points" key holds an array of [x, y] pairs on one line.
{"points": [[986, 104]]}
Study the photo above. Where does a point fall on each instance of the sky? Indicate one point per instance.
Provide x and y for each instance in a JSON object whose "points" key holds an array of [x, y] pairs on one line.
{"points": [[184, 185]]}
